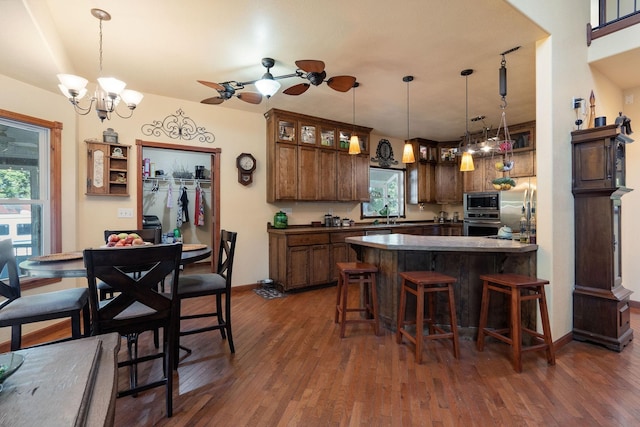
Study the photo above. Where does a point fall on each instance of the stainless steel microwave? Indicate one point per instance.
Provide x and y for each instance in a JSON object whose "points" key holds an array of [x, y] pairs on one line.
{"points": [[482, 205]]}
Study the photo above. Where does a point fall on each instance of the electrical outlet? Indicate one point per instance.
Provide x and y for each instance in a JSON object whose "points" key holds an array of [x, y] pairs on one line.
{"points": [[125, 213]]}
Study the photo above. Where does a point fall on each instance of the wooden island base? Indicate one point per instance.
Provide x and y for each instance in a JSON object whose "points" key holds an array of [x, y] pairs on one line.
{"points": [[464, 258]]}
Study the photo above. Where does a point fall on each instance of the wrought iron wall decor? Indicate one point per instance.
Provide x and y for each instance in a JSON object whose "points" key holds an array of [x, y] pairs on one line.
{"points": [[178, 126], [384, 154]]}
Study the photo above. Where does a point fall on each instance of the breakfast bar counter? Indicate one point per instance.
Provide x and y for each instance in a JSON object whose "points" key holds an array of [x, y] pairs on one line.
{"points": [[464, 258]]}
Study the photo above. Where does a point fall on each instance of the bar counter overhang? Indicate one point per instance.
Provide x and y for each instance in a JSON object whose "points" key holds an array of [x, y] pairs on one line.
{"points": [[464, 258]]}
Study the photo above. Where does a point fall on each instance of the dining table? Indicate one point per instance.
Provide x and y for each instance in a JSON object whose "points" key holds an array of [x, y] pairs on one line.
{"points": [[71, 264], [70, 383]]}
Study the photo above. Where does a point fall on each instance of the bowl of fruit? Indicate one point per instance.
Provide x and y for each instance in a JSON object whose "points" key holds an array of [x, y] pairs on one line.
{"points": [[125, 239]]}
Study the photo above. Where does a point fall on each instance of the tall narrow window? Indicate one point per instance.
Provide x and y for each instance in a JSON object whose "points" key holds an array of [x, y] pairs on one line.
{"points": [[28, 213]]}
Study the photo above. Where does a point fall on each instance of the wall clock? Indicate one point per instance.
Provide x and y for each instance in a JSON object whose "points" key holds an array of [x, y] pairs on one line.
{"points": [[246, 165]]}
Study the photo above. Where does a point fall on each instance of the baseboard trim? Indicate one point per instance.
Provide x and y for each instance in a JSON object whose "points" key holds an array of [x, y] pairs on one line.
{"points": [[60, 329]]}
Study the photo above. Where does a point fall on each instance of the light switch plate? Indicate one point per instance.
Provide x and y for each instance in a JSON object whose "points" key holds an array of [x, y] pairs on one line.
{"points": [[125, 213]]}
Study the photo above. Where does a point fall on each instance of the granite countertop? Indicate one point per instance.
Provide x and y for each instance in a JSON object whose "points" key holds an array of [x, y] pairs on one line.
{"points": [[405, 242], [358, 227]]}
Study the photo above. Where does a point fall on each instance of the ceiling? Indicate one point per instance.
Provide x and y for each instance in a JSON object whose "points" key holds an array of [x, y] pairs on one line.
{"points": [[164, 47]]}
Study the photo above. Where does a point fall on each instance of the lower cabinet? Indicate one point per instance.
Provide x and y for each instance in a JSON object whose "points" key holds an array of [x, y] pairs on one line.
{"points": [[300, 259]]}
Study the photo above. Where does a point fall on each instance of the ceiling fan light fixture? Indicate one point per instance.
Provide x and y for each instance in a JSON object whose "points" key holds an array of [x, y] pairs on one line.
{"points": [[267, 86]]}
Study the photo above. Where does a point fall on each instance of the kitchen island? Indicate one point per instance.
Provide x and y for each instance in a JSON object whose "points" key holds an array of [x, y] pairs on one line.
{"points": [[464, 258]]}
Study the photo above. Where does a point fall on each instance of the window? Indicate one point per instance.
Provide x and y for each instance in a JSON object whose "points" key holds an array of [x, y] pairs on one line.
{"points": [[386, 194], [30, 186]]}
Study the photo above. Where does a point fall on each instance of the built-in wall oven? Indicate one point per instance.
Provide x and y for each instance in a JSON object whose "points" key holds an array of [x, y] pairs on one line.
{"points": [[481, 213]]}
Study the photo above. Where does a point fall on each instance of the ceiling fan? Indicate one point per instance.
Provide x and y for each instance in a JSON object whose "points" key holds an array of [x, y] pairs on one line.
{"points": [[309, 69], [314, 71], [227, 90]]}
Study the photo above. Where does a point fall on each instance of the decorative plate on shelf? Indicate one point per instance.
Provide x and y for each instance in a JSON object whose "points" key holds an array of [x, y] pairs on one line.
{"points": [[63, 256]]}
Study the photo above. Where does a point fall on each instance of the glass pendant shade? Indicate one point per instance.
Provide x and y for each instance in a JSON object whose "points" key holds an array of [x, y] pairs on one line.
{"points": [[112, 85], [466, 165], [72, 86], [354, 145], [267, 86], [131, 97], [407, 154]]}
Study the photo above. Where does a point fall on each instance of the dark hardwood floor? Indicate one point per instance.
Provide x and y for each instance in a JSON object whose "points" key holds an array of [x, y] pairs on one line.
{"points": [[292, 369]]}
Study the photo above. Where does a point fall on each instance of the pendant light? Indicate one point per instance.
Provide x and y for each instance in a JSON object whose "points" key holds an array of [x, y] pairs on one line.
{"points": [[466, 165], [407, 152], [354, 142]]}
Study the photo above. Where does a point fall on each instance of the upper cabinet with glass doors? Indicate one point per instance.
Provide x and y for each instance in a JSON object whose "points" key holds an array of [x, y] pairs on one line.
{"points": [[303, 158]]}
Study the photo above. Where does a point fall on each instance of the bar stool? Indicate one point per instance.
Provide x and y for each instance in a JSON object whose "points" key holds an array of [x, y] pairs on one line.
{"points": [[514, 285], [418, 283], [365, 275]]}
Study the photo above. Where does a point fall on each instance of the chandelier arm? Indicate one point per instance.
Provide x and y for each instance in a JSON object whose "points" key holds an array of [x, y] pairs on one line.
{"points": [[78, 109], [115, 110]]}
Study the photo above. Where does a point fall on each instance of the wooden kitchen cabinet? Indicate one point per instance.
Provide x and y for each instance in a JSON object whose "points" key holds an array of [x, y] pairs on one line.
{"points": [[601, 311], [309, 172], [448, 183], [361, 177], [523, 156], [107, 169], [345, 176], [524, 164], [421, 181], [282, 184], [327, 185]]}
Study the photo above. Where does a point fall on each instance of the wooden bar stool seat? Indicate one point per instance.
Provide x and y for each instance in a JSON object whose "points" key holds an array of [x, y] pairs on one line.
{"points": [[365, 275], [520, 288], [419, 283]]}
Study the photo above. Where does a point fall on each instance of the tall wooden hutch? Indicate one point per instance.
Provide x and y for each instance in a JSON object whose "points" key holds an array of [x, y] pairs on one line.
{"points": [[601, 312]]}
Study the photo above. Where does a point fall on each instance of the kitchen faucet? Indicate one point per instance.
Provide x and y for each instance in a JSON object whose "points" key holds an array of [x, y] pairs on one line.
{"points": [[386, 207]]}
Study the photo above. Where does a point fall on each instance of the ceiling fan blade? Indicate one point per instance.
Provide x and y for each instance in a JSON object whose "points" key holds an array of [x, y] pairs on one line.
{"points": [[212, 85], [297, 89], [341, 83], [310, 65], [213, 101], [250, 97]]}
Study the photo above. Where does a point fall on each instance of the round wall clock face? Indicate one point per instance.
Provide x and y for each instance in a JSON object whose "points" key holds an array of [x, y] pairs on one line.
{"points": [[246, 162]]}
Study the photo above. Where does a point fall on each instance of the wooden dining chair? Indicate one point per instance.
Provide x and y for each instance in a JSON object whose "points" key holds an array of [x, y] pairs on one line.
{"points": [[151, 235], [137, 306], [216, 284], [17, 310]]}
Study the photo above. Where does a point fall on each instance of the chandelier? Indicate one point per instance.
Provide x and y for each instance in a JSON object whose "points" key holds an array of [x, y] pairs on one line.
{"points": [[109, 91]]}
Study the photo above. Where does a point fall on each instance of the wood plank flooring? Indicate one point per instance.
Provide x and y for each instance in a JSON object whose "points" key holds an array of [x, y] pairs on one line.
{"points": [[292, 369]]}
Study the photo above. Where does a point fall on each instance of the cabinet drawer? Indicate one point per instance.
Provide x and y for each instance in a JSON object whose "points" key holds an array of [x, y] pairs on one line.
{"points": [[339, 237], [308, 239]]}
